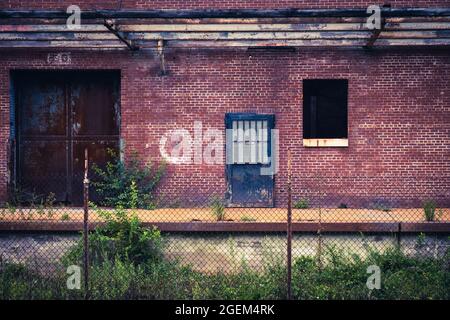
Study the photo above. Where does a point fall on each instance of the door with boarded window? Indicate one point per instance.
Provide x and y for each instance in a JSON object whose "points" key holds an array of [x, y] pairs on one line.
{"points": [[248, 152], [59, 114]]}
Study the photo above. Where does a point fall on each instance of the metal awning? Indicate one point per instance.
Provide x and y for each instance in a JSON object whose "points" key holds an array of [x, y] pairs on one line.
{"points": [[140, 29]]}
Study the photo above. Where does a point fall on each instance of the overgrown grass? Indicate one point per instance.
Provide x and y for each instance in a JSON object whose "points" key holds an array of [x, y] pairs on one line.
{"points": [[127, 262], [342, 276], [345, 275]]}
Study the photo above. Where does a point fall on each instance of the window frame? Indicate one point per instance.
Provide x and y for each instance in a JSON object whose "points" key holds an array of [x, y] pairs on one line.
{"points": [[314, 142]]}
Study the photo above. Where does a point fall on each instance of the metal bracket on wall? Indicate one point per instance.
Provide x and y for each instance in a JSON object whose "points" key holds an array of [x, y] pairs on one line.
{"points": [[160, 50], [375, 34], [109, 24]]}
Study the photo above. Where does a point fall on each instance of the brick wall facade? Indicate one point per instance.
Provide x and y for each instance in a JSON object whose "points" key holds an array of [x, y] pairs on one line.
{"points": [[399, 120], [398, 109]]}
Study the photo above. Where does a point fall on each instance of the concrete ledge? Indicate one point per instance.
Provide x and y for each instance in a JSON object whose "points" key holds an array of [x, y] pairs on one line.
{"points": [[323, 143], [373, 227], [425, 227]]}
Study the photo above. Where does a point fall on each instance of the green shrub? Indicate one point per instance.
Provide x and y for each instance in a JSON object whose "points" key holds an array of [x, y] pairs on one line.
{"points": [[303, 203], [117, 182], [121, 237], [218, 208], [429, 210]]}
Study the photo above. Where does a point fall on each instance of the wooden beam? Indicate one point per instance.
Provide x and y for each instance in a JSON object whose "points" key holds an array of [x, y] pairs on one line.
{"points": [[226, 21], [263, 43], [313, 27], [224, 13], [26, 36], [62, 44], [249, 35], [222, 43], [217, 36], [413, 42]]}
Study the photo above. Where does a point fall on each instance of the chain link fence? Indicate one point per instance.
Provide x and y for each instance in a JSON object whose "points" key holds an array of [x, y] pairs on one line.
{"points": [[349, 238]]}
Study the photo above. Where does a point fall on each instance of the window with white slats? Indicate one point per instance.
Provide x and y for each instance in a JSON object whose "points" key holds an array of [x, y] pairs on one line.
{"points": [[250, 142]]}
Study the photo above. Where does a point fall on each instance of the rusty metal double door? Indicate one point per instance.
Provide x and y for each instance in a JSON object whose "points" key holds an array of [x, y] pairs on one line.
{"points": [[57, 115]]}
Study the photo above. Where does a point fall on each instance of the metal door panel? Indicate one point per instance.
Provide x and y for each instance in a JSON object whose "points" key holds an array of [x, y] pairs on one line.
{"points": [[250, 149], [43, 108], [95, 105], [43, 169], [249, 187]]}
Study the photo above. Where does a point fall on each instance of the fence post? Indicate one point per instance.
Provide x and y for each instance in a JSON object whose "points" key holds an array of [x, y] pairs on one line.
{"points": [[289, 229], [319, 244], [85, 225]]}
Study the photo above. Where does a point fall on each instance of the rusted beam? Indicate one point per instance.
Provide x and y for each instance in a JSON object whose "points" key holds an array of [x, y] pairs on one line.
{"points": [[312, 27], [114, 29], [100, 44], [93, 36], [188, 35], [302, 43], [105, 44], [372, 227], [223, 13]]}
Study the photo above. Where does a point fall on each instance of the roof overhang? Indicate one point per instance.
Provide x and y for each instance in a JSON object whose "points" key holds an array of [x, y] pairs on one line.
{"points": [[134, 29]]}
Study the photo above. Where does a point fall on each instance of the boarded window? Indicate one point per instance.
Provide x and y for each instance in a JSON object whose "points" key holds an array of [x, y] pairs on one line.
{"points": [[325, 109], [250, 142]]}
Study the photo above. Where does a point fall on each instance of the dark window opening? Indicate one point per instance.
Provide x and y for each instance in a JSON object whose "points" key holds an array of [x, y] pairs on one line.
{"points": [[325, 109]]}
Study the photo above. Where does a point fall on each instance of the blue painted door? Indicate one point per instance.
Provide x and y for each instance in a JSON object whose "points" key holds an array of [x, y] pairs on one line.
{"points": [[249, 158]]}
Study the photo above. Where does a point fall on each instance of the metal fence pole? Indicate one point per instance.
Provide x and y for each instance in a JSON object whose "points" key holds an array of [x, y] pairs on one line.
{"points": [[319, 245], [85, 225], [289, 230]]}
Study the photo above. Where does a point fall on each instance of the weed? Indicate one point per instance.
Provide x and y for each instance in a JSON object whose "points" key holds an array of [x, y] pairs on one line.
{"points": [[303, 203], [11, 208], [429, 209], [247, 218], [218, 208]]}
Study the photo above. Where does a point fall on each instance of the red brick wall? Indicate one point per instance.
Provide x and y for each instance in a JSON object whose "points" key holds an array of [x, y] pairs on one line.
{"points": [[399, 114], [191, 4]]}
